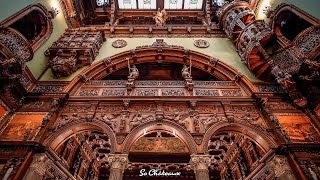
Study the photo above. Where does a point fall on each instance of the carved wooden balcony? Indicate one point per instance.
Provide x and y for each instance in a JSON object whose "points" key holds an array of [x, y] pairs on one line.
{"points": [[116, 88], [15, 51], [74, 49], [251, 48], [234, 17]]}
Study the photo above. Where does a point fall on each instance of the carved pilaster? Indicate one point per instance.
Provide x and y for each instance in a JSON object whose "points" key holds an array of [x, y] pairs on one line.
{"points": [[40, 164], [281, 168], [199, 164], [118, 163]]}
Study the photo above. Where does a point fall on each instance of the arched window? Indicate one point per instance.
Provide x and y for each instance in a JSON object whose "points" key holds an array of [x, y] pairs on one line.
{"points": [[33, 23]]}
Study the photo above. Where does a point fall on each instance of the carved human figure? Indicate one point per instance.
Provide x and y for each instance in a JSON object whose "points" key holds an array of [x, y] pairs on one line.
{"points": [[140, 119], [314, 68], [186, 121], [210, 120], [186, 72], [133, 72], [112, 121], [161, 17], [252, 120]]}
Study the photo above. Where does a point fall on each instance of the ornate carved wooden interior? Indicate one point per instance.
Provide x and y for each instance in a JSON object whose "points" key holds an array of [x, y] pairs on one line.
{"points": [[116, 92]]}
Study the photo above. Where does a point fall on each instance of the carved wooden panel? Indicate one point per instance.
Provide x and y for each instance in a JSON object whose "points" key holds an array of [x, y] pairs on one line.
{"points": [[23, 126], [74, 49], [299, 128], [159, 145]]}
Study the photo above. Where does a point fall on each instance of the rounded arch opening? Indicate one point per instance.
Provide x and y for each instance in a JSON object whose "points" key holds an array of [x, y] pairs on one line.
{"points": [[33, 23], [164, 146], [151, 54], [235, 150], [167, 127], [61, 136], [289, 25]]}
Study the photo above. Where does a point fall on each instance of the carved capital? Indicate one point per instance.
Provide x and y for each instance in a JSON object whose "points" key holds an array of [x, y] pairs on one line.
{"points": [[118, 161], [200, 162]]}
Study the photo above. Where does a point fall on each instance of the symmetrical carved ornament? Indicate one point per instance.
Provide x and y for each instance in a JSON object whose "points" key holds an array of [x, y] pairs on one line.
{"points": [[199, 164], [74, 49], [119, 43], [200, 43]]}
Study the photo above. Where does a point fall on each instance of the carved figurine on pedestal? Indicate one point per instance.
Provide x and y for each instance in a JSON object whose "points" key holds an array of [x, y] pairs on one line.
{"points": [[133, 74], [161, 17], [186, 74]]}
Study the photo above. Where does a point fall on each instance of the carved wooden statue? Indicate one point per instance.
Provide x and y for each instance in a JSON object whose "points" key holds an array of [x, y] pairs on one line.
{"points": [[161, 17], [133, 72]]}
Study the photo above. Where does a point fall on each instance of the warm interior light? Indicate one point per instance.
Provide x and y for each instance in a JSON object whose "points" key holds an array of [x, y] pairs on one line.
{"points": [[264, 7]]}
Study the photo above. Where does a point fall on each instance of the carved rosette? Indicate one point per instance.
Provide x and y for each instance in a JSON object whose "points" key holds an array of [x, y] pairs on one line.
{"points": [[119, 43], [201, 43], [75, 48]]}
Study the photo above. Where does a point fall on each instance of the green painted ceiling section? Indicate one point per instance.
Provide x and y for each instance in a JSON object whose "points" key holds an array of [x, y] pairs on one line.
{"points": [[9, 7], [220, 48], [310, 6]]}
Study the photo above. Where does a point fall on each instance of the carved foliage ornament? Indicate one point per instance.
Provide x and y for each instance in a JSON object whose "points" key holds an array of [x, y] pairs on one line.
{"points": [[119, 43], [200, 43]]}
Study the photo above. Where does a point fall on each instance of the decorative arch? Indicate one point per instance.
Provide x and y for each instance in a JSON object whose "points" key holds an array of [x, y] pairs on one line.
{"points": [[63, 134], [161, 52], [138, 132], [39, 14], [261, 139], [289, 8]]}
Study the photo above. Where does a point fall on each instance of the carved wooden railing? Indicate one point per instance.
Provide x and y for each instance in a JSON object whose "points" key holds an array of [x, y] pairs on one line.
{"points": [[160, 88]]}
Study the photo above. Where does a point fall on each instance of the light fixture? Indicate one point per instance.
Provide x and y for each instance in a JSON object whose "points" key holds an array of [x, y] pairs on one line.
{"points": [[55, 10], [266, 10]]}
